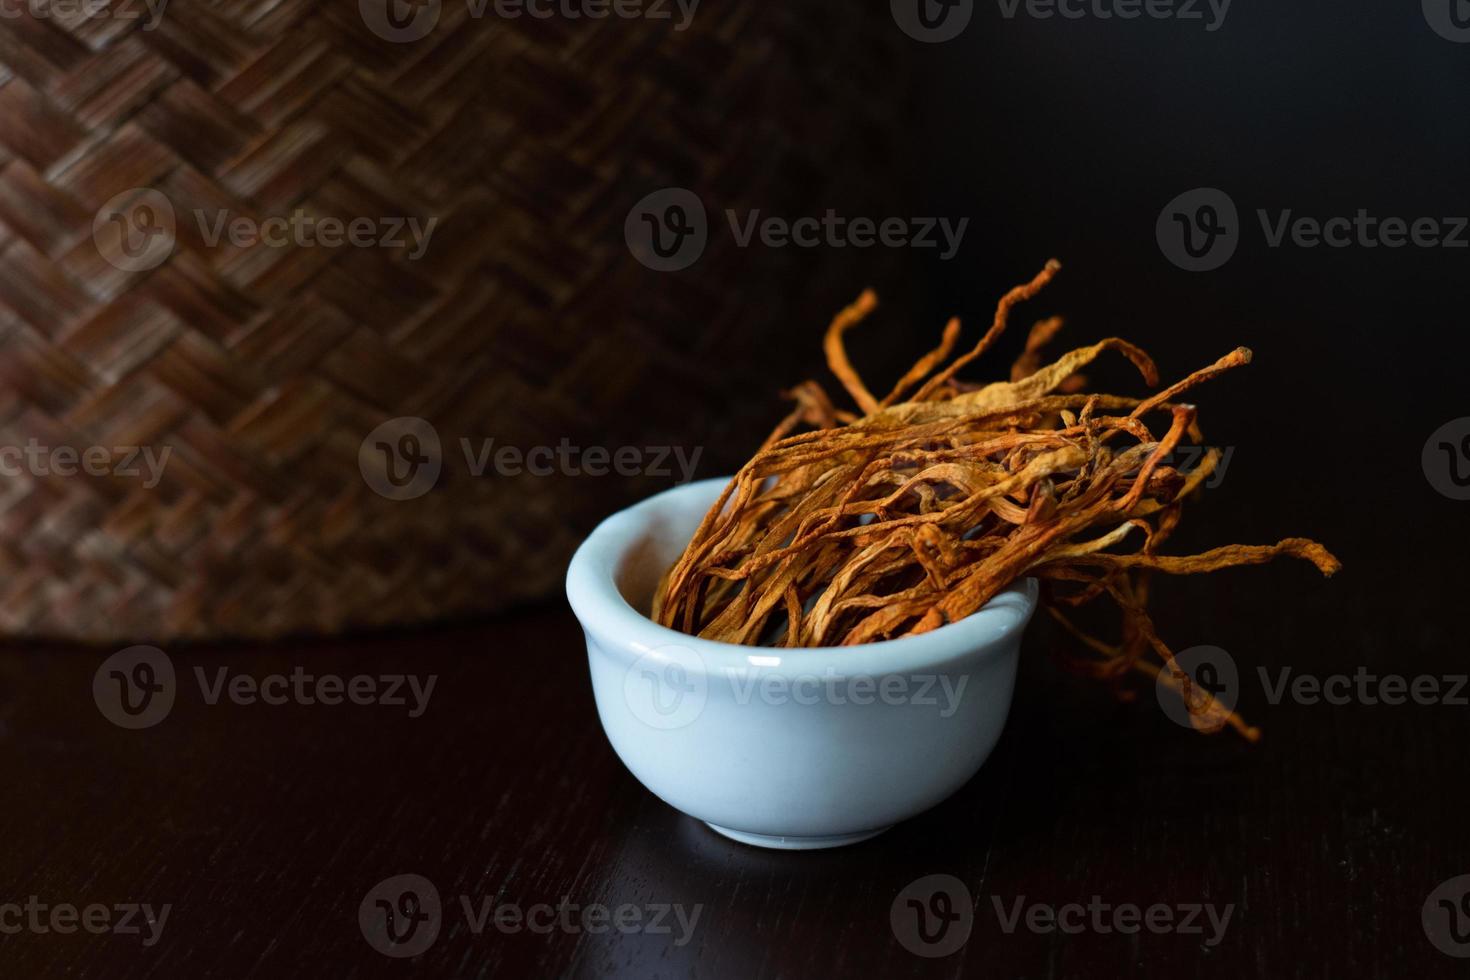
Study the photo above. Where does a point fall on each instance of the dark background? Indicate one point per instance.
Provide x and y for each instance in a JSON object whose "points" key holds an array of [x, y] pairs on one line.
{"points": [[1057, 138]]}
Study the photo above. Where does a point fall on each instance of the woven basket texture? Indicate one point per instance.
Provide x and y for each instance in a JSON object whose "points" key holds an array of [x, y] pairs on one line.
{"points": [[261, 368]]}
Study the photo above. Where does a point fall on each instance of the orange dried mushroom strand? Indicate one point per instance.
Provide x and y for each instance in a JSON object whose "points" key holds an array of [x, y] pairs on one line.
{"points": [[916, 513]]}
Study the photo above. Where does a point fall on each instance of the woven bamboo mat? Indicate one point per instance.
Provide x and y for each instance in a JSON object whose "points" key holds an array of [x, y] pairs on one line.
{"points": [[262, 368]]}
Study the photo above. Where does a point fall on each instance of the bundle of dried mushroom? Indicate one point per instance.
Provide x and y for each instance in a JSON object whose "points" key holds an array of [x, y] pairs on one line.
{"points": [[919, 510]]}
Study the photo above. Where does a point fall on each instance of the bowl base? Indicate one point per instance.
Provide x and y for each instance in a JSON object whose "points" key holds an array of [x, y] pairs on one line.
{"points": [[794, 843]]}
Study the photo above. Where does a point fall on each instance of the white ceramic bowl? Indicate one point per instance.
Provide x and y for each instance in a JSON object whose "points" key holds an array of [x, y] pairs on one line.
{"points": [[782, 748]]}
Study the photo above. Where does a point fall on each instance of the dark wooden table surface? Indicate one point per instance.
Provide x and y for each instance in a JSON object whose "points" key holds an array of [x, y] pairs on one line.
{"points": [[264, 828]]}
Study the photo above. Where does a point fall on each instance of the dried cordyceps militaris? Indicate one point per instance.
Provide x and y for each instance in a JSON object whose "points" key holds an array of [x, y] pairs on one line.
{"points": [[919, 510]]}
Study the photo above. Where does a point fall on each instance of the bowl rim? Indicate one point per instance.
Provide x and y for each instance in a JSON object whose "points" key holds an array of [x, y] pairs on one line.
{"points": [[600, 606]]}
